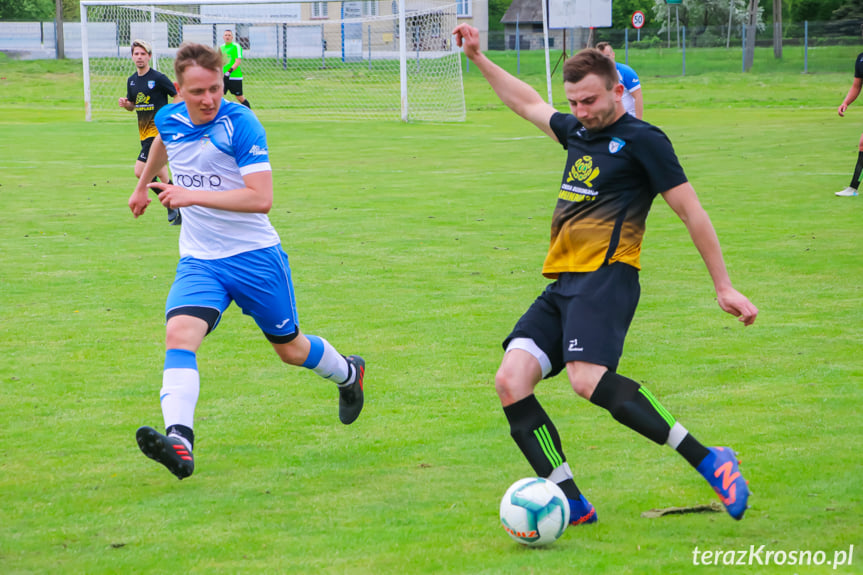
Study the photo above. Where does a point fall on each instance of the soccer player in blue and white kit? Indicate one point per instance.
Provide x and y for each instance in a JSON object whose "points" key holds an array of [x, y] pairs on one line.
{"points": [[229, 251], [632, 99]]}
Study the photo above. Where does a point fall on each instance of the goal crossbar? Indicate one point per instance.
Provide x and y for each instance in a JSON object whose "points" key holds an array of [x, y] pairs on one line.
{"points": [[379, 59]]}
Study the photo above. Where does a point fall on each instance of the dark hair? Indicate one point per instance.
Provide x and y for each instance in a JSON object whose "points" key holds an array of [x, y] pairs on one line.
{"points": [[189, 55], [590, 61], [601, 46]]}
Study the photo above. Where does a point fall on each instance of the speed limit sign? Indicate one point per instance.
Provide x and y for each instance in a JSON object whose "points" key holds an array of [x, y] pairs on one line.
{"points": [[637, 19]]}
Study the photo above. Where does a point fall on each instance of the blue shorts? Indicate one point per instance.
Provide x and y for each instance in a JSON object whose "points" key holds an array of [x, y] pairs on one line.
{"points": [[259, 281], [582, 317]]}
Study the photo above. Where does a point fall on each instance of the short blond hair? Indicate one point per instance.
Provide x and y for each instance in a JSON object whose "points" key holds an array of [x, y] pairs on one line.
{"points": [[142, 44]]}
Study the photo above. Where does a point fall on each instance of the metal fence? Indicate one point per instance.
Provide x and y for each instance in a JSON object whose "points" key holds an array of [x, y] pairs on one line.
{"points": [[808, 47]]}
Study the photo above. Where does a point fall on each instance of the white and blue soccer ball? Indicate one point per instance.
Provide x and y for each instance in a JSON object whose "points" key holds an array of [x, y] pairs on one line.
{"points": [[534, 511]]}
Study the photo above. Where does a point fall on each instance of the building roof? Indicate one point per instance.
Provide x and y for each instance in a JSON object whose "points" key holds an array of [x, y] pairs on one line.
{"points": [[525, 11]]}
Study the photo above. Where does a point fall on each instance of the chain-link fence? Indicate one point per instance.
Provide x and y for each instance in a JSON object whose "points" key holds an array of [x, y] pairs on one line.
{"points": [[810, 47]]}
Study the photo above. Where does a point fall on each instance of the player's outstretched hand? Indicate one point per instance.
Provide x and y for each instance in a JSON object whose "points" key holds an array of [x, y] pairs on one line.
{"points": [[467, 38], [738, 305]]}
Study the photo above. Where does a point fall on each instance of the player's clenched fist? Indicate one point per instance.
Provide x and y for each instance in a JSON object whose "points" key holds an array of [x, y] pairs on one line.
{"points": [[467, 38]]}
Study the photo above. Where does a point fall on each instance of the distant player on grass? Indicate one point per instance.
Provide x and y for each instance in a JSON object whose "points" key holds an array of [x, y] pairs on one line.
{"points": [[853, 92], [147, 90], [229, 251], [233, 68], [616, 165], [633, 97]]}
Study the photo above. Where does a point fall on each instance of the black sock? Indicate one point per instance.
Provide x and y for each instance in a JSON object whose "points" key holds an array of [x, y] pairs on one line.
{"points": [[246, 103], [182, 431], [536, 436], [633, 406], [855, 181], [692, 451]]}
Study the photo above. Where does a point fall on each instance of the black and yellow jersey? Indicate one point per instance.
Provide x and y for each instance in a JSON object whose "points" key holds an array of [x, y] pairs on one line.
{"points": [[611, 179], [149, 93]]}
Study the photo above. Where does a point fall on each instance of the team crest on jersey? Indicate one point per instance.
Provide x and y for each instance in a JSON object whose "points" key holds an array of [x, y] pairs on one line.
{"points": [[583, 171], [151, 84], [615, 145], [204, 141]]}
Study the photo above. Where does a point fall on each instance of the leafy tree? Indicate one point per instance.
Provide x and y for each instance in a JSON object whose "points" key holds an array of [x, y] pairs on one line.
{"points": [[702, 13], [496, 10], [32, 10], [811, 10], [621, 12], [849, 10], [38, 10], [71, 11]]}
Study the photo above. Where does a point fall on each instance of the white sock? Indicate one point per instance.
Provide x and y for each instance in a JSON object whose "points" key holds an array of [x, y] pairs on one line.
{"points": [[324, 360], [560, 473], [180, 388], [676, 435]]}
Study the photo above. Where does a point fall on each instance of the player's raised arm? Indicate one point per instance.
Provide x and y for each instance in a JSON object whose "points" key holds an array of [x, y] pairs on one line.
{"points": [[517, 95], [685, 204]]}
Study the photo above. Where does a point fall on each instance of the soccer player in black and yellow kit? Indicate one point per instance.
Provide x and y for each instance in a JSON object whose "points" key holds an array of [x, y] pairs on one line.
{"points": [[852, 94], [147, 90], [616, 165]]}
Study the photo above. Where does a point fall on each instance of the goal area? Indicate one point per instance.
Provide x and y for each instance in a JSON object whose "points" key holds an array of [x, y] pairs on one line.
{"points": [[360, 60]]}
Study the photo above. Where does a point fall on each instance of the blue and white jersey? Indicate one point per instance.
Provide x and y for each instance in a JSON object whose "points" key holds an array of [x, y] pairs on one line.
{"points": [[631, 83], [215, 156]]}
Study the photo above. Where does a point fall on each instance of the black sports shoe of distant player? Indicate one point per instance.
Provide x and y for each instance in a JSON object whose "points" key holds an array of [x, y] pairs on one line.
{"points": [[168, 450], [351, 396], [175, 218]]}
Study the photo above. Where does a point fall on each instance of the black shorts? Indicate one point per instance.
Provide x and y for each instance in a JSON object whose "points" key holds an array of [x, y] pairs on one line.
{"points": [[145, 149], [234, 86], [582, 317]]}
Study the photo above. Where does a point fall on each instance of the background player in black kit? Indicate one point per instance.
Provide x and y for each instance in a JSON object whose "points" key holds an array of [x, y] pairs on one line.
{"points": [[853, 92], [616, 165], [147, 90]]}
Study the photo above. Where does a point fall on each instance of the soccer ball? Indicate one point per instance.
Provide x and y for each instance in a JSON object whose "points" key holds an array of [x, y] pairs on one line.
{"points": [[534, 511]]}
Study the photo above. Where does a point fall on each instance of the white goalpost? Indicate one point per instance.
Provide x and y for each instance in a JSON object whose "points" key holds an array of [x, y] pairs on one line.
{"points": [[352, 59]]}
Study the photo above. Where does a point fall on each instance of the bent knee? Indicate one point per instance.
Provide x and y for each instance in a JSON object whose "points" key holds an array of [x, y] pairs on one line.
{"points": [[512, 386], [502, 382], [583, 387], [294, 352]]}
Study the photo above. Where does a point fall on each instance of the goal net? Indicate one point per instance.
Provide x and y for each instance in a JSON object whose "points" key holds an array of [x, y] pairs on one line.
{"points": [[367, 59]]}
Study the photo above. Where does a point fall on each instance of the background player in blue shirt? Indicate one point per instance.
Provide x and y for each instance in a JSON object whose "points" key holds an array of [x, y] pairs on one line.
{"points": [[229, 251], [853, 92], [616, 165], [633, 98]]}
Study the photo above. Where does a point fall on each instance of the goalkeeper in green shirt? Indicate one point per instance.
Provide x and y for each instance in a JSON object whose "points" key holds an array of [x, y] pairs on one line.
{"points": [[233, 53]]}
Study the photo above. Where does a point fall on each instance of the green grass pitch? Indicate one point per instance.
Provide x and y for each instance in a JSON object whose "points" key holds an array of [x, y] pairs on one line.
{"points": [[418, 246]]}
